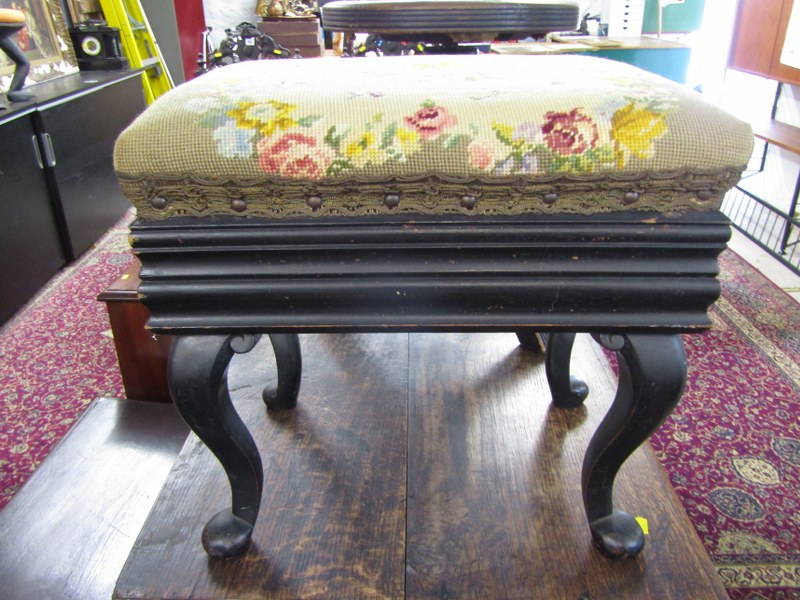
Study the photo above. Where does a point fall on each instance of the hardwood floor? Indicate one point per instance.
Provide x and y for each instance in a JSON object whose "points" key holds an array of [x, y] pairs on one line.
{"points": [[67, 532], [417, 466]]}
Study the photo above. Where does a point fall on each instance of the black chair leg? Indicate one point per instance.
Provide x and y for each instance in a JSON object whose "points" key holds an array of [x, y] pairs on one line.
{"points": [[652, 373], [197, 374]]}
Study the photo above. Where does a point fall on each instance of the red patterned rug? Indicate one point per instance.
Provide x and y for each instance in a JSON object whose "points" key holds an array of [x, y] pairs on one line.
{"points": [[56, 357], [732, 446], [731, 449]]}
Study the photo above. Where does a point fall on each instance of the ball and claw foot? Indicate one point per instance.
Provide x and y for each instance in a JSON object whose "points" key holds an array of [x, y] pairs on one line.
{"points": [[617, 535], [226, 535]]}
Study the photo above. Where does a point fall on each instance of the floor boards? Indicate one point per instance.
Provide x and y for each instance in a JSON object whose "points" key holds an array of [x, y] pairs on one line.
{"points": [[67, 533], [418, 466]]}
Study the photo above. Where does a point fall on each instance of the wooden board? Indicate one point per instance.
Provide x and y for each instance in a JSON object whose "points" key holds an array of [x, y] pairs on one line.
{"points": [[495, 508], [778, 133], [332, 519], [490, 508], [69, 530]]}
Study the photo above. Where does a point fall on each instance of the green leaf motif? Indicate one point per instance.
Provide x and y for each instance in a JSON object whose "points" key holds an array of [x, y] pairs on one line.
{"points": [[309, 120], [605, 154], [338, 166], [387, 139], [333, 140], [455, 140]]}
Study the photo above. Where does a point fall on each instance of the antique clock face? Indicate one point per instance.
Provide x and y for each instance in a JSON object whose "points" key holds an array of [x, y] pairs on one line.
{"points": [[91, 45]]}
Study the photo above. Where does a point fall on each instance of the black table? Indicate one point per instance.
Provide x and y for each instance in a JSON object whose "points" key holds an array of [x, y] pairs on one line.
{"points": [[450, 21]]}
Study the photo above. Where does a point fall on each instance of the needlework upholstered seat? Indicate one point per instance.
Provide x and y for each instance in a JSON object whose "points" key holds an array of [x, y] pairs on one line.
{"points": [[520, 134], [454, 193]]}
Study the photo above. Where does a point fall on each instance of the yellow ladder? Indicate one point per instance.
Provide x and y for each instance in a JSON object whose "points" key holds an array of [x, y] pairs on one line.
{"points": [[139, 44]]}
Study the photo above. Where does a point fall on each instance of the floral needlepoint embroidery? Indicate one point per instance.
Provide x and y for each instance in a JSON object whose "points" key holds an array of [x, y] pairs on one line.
{"points": [[634, 129], [286, 142], [431, 120], [294, 155], [480, 155], [233, 141], [267, 118], [569, 133]]}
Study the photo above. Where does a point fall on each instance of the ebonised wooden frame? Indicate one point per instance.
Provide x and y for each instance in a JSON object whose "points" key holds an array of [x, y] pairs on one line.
{"points": [[636, 281]]}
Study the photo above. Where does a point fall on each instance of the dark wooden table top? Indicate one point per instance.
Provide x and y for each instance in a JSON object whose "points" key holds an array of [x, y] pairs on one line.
{"points": [[450, 16]]}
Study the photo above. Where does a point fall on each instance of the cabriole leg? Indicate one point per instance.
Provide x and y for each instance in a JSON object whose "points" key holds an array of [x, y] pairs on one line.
{"points": [[532, 341], [197, 374], [290, 366], [567, 391], [652, 372]]}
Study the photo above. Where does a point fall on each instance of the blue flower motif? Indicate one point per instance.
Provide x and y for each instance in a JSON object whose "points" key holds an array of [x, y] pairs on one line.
{"points": [[233, 141]]}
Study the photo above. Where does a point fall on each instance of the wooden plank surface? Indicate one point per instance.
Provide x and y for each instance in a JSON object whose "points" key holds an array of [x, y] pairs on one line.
{"points": [[492, 498], [779, 133], [495, 508], [67, 533], [332, 519]]}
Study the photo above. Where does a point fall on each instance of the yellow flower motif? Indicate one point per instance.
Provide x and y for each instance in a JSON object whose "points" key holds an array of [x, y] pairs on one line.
{"points": [[362, 150], [506, 131], [266, 118], [358, 146], [635, 129], [409, 140]]}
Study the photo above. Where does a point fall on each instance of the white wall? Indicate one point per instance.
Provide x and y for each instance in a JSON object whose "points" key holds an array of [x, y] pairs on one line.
{"points": [[227, 14]]}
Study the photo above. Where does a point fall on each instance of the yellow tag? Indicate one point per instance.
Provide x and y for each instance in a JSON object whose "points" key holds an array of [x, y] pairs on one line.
{"points": [[125, 276], [643, 524]]}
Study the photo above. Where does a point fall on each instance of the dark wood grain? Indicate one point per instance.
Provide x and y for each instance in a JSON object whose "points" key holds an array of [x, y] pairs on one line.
{"points": [[332, 519], [612, 272], [67, 532], [494, 506], [452, 17]]}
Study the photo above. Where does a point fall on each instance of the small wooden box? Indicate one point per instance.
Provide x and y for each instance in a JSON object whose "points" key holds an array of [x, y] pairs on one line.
{"points": [[299, 33]]}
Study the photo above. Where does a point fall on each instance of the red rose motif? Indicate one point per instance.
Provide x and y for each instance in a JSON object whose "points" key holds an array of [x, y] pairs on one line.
{"points": [[430, 121], [569, 133], [294, 155]]}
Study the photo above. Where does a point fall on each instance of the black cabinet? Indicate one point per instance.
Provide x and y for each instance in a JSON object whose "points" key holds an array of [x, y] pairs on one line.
{"points": [[80, 134], [32, 250], [58, 192]]}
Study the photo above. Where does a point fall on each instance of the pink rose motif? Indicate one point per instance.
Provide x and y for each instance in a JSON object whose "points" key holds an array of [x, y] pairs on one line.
{"points": [[480, 155], [294, 155], [569, 133], [430, 121]]}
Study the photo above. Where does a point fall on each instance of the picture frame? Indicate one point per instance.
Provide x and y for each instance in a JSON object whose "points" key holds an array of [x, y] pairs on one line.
{"points": [[44, 41]]}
